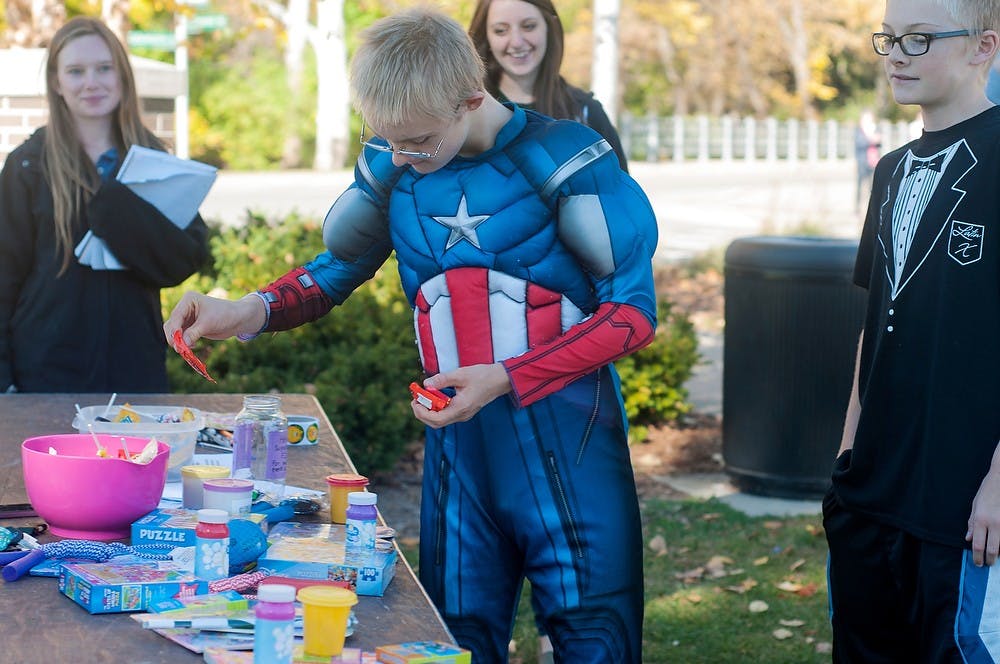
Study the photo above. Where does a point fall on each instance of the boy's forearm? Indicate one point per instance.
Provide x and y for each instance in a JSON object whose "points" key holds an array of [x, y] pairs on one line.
{"points": [[615, 330], [853, 406]]}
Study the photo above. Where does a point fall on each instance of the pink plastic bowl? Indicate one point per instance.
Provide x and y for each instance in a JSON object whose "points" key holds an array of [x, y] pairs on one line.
{"points": [[83, 496]]}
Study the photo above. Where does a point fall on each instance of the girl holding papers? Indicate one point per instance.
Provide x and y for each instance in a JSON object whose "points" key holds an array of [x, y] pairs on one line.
{"points": [[82, 256]]}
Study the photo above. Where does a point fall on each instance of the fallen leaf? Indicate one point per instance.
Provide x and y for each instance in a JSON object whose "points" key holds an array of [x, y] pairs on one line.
{"points": [[773, 525], [694, 598], [807, 590], [797, 564], [743, 587], [716, 566], [711, 516], [691, 575], [782, 634], [824, 647], [658, 545], [792, 623], [763, 560], [758, 606], [789, 586]]}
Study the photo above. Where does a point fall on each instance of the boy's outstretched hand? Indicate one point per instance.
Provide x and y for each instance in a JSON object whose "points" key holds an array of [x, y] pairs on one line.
{"points": [[475, 386], [984, 522], [198, 315]]}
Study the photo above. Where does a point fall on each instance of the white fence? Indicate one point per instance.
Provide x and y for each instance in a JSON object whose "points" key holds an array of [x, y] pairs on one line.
{"points": [[701, 138]]}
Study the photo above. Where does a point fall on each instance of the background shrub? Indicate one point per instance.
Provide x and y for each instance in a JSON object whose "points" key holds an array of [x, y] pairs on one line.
{"points": [[653, 379], [359, 359]]}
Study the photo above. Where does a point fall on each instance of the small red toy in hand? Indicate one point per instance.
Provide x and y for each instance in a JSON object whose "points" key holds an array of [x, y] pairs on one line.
{"points": [[185, 351], [428, 397]]}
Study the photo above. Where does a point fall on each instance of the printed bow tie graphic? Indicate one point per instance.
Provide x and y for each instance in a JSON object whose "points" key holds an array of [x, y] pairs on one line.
{"points": [[933, 164]]}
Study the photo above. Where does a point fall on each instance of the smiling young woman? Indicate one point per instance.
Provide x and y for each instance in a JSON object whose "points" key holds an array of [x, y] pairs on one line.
{"points": [[521, 44]]}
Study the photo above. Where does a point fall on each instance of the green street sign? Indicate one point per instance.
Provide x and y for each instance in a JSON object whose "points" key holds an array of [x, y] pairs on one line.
{"points": [[157, 41], [207, 23]]}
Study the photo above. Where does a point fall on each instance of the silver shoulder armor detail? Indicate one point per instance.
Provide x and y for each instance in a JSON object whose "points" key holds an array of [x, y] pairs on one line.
{"points": [[583, 228], [353, 224]]}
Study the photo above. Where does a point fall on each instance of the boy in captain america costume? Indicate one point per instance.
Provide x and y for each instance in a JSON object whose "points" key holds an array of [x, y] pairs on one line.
{"points": [[526, 254]]}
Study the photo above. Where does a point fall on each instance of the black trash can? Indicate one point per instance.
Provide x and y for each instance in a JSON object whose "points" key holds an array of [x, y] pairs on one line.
{"points": [[793, 316]]}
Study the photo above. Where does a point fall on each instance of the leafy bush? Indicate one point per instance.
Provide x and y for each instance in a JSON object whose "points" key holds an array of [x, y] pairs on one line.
{"points": [[653, 379], [359, 359]]}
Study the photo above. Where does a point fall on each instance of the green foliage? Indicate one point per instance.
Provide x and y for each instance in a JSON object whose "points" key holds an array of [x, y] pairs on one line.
{"points": [[653, 379], [357, 360], [240, 112]]}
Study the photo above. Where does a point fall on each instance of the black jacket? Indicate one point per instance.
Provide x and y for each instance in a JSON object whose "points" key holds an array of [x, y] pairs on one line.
{"points": [[85, 330], [592, 114]]}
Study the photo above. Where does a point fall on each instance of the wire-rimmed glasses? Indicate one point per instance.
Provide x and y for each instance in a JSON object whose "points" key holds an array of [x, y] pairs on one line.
{"points": [[911, 43], [412, 154]]}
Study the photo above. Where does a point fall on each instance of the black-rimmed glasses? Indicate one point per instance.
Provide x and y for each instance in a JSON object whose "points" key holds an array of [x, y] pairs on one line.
{"points": [[412, 154], [912, 43]]}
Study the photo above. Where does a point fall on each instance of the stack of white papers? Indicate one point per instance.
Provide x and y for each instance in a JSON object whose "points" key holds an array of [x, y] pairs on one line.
{"points": [[175, 186]]}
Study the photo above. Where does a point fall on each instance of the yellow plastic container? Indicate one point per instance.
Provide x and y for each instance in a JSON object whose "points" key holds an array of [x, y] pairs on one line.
{"points": [[339, 485], [325, 610], [192, 479]]}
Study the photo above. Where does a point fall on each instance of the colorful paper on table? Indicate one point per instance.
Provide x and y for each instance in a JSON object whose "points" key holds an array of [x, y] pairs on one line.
{"points": [[185, 351]]}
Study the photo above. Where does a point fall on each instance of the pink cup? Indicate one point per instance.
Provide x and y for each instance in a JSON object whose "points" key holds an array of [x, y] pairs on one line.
{"points": [[83, 496]]}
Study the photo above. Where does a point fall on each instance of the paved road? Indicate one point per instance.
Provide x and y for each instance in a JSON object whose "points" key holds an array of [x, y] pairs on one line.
{"points": [[699, 206]]}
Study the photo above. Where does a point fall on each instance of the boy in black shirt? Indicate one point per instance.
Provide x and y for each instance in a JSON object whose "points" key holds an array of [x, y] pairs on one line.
{"points": [[914, 511]]}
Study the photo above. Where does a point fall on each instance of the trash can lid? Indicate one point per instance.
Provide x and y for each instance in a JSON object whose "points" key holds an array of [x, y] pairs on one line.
{"points": [[793, 255]]}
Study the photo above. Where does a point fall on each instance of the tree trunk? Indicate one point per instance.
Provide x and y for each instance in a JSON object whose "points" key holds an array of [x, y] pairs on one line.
{"points": [[604, 70], [32, 23], [296, 27], [115, 15], [332, 106]]}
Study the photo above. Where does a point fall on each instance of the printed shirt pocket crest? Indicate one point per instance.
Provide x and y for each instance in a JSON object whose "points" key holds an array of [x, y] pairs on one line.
{"points": [[965, 242]]}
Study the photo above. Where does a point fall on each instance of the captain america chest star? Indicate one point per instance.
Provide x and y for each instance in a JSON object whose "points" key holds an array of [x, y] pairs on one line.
{"points": [[500, 223]]}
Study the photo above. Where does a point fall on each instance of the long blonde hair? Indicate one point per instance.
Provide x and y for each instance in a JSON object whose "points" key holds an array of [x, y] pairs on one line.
{"points": [[71, 175]]}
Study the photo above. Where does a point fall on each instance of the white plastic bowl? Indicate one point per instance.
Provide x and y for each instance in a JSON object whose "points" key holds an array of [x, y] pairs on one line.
{"points": [[180, 436]]}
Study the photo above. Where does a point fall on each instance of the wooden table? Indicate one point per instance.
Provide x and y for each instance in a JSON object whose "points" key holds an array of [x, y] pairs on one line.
{"points": [[41, 625]]}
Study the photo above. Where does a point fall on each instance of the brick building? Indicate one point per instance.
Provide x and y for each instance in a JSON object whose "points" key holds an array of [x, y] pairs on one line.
{"points": [[23, 107]]}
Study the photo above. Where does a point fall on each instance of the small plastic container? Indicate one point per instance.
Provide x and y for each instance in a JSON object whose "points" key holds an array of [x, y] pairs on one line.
{"points": [[359, 532], [274, 632], [338, 486], [325, 612], [180, 436], [233, 496], [211, 553], [192, 478]]}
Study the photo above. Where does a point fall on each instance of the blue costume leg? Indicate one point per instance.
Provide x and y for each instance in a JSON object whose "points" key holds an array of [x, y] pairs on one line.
{"points": [[547, 492]]}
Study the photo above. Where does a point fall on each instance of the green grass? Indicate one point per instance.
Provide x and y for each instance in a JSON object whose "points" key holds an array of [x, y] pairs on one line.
{"points": [[715, 561]]}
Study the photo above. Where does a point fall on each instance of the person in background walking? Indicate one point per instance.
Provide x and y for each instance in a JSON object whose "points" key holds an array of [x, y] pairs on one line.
{"points": [[867, 145], [64, 326], [521, 43]]}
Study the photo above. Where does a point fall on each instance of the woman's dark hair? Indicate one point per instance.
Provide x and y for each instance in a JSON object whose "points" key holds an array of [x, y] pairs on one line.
{"points": [[551, 92]]}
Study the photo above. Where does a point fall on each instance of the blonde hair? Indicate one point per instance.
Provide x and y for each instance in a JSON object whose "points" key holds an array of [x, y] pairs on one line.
{"points": [[71, 175], [976, 15], [418, 63]]}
